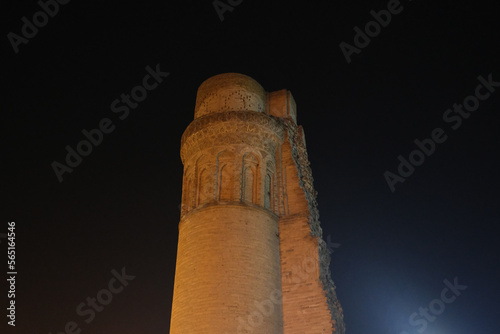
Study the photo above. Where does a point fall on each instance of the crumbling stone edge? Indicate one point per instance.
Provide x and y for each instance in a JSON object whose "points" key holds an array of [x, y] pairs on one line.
{"points": [[299, 154]]}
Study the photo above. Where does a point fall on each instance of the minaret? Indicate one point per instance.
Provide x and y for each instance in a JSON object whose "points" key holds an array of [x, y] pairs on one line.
{"points": [[250, 257]]}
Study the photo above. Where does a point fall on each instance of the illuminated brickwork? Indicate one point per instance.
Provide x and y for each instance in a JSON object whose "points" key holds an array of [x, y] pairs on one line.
{"points": [[250, 257]]}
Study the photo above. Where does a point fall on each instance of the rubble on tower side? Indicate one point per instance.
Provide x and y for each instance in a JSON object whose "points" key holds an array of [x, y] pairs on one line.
{"points": [[299, 155]]}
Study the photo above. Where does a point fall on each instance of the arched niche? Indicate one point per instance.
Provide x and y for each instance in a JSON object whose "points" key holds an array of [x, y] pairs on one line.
{"points": [[270, 186], [250, 178], [225, 176], [205, 180], [189, 190]]}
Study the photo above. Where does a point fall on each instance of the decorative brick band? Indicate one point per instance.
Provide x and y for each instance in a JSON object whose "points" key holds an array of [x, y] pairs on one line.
{"points": [[229, 128]]}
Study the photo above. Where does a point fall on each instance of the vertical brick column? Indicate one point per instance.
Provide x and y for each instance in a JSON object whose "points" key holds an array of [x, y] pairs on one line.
{"points": [[228, 259]]}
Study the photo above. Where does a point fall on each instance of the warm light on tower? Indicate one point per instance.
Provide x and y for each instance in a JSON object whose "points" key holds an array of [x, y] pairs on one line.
{"points": [[248, 219]]}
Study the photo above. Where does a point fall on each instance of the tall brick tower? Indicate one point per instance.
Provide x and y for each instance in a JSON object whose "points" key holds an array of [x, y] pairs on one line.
{"points": [[250, 258]]}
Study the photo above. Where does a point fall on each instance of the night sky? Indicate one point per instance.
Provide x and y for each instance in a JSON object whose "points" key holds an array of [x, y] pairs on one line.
{"points": [[119, 207]]}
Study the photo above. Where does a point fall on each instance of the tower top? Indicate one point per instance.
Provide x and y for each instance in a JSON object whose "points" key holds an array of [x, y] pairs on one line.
{"points": [[229, 92]]}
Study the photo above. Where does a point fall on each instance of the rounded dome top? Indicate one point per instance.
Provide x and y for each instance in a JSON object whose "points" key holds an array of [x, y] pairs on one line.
{"points": [[229, 92]]}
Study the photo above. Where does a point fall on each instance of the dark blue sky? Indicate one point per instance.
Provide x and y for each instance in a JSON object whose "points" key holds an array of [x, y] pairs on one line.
{"points": [[118, 208]]}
